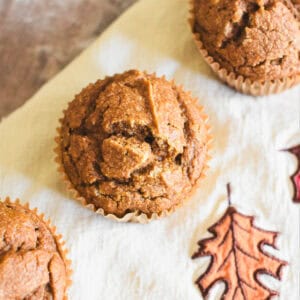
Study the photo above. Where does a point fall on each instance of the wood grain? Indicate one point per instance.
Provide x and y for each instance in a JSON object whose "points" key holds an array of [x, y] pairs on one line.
{"points": [[39, 37]]}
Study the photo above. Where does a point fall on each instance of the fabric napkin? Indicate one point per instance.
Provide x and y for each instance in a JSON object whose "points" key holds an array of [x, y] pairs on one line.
{"points": [[134, 261]]}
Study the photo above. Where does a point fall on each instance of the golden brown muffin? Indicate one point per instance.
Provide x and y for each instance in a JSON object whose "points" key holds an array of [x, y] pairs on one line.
{"points": [[133, 143], [32, 264], [256, 39]]}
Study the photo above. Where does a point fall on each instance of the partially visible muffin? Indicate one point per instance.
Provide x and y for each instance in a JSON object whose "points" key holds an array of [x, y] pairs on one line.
{"points": [[256, 39], [133, 143], [32, 264]]}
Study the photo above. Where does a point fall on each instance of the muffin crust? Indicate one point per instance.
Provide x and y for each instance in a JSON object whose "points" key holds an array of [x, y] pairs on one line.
{"points": [[258, 39], [31, 265], [133, 142]]}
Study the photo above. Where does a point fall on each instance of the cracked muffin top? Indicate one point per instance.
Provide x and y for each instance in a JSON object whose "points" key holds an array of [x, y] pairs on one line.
{"points": [[31, 265], [258, 39], [133, 143]]}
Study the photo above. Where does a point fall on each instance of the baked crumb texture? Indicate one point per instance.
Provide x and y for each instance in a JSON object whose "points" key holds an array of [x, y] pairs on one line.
{"points": [[258, 39], [134, 143], [297, 4], [32, 266]]}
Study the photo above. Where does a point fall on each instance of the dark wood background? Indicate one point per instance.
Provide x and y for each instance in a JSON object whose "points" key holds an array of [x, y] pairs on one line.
{"points": [[39, 37]]}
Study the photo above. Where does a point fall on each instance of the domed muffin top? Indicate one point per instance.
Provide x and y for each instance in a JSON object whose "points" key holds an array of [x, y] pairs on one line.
{"points": [[31, 265], [133, 142], [258, 39]]}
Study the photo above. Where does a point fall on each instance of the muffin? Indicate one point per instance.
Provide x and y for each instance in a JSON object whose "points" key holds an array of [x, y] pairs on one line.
{"points": [[133, 146], [32, 263], [253, 45]]}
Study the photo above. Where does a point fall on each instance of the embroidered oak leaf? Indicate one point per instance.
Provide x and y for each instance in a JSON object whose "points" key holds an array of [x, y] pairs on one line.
{"points": [[296, 176], [237, 258]]}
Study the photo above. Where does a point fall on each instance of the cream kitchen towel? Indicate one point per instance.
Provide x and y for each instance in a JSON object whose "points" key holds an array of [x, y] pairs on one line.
{"points": [[132, 261]]}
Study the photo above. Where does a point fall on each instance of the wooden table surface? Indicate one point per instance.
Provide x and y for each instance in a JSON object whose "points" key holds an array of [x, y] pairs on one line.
{"points": [[39, 37]]}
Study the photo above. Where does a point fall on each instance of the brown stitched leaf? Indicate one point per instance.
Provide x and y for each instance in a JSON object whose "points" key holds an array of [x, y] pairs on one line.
{"points": [[296, 176], [238, 257]]}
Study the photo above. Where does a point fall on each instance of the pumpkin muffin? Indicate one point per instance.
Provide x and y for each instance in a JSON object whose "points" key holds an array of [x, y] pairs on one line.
{"points": [[32, 263], [133, 146], [253, 45]]}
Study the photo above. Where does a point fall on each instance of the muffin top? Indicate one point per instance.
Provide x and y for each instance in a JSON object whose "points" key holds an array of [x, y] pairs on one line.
{"points": [[133, 142], [31, 265], [258, 39]]}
